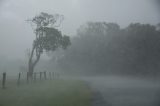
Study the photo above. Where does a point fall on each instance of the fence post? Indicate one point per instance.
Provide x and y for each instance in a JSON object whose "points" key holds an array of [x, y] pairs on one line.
{"points": [[35, 76], [40, 75], [50, 76], [45, 76], [4, 80], [53, 75], [19, 77], [27, 77]]}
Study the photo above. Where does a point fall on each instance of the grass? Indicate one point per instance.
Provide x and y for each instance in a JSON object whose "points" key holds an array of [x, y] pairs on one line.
{"points": [[47, 93]]}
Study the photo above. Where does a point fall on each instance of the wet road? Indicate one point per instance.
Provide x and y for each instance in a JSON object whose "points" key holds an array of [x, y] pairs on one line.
{"points": [[123, 91]]}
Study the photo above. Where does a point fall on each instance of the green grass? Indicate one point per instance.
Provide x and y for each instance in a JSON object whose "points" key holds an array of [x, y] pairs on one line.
{"points": [[47, 93]]}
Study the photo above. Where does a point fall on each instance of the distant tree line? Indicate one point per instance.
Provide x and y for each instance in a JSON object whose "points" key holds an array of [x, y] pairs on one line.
{"points": [[101, 47]]}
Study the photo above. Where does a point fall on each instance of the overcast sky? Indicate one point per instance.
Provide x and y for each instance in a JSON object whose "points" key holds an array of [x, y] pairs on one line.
{"points": [[16, 35]]}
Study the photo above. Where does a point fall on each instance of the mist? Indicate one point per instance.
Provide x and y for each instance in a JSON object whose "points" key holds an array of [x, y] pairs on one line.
{"points": [[14, 13], [84, 52]]}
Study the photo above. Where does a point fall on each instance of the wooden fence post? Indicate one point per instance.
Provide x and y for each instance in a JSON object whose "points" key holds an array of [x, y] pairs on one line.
{"points": [[40, 75], [27, 77], [45, 76], [4, 80], [53, 75], [19, 77], [35, 76], [50, 77]]}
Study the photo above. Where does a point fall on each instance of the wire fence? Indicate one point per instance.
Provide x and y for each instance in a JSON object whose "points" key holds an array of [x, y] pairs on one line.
{"points": [[24, 78]]}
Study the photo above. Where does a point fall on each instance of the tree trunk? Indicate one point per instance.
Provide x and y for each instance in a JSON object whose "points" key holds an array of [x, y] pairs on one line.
{"points": [[31, 63], [30, 69]]}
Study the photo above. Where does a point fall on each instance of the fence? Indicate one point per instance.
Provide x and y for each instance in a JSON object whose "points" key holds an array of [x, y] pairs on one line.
{"points": [[35, 77]]}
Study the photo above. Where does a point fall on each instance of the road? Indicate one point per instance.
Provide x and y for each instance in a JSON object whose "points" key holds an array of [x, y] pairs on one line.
{"points": [[124, 91]]}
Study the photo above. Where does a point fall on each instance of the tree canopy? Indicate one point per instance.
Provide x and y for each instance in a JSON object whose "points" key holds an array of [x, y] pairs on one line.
{"points": [[48, 38], [106, 48]]}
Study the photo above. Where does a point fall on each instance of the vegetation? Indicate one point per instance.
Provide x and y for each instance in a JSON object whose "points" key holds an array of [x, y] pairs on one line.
{"points": [[101, 47], [48, 38], [50, 93]]}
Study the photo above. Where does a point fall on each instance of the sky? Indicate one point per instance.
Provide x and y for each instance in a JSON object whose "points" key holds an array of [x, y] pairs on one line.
{"points": [[16, 34]]}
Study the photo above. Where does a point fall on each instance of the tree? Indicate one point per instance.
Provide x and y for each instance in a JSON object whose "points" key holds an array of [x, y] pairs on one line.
{"points": [[106, 48], [48, 38]]}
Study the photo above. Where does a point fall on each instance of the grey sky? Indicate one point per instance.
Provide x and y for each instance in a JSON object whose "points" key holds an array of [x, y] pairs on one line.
{"points": [[16, 35]]}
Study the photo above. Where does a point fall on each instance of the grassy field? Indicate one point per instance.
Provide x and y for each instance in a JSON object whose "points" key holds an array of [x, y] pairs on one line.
{"points": [[47, 93]]}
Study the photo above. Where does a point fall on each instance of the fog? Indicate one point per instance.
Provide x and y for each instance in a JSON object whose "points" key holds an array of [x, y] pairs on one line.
{"points": [[112, 46], [17, 35]]}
